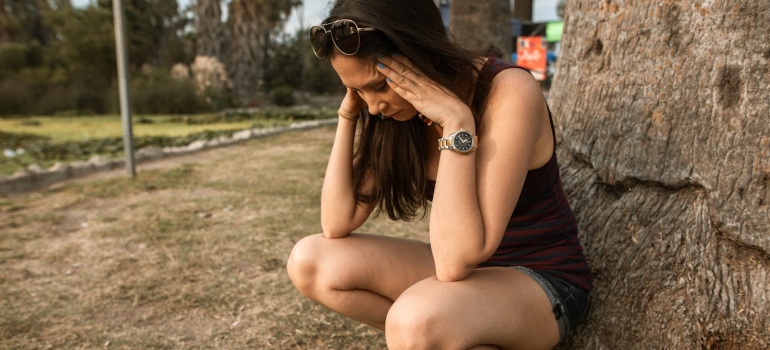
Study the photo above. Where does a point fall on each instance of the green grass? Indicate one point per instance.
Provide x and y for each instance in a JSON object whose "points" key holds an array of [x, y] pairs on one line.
{"points": [[60, 129], [46, 140]]}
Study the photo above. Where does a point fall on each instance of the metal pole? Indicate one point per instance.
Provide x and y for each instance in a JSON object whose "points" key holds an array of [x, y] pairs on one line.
{"points": [[123, 80]]}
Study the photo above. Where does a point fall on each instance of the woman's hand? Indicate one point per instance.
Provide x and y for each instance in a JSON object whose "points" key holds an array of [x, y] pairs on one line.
{"points": [[351, 105], [434, 101]]}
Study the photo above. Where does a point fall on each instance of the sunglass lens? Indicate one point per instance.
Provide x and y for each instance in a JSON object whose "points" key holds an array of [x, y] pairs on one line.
{"points": [[346, 37], [316, 40]]}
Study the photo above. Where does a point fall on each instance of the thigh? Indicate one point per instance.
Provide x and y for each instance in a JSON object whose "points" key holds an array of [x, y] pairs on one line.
{"points": [[493, 306], [381, 264]]}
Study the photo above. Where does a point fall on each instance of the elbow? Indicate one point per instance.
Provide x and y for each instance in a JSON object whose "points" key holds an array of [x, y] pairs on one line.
{"points": [[333, 231], [453, 273], [458, 269]]}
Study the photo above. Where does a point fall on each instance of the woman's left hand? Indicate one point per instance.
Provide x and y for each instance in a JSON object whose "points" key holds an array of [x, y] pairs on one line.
{"points": [[434, 101]]}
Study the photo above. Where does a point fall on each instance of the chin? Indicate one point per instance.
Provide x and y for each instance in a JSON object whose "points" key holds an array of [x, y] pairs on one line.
{"points": [[402, 116]]}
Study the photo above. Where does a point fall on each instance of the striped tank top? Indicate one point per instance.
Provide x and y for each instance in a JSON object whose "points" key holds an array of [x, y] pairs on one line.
{"points": [[542, 232]]}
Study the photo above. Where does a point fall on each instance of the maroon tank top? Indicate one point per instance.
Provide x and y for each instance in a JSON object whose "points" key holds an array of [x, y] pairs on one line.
{"points": [[542, 232]]}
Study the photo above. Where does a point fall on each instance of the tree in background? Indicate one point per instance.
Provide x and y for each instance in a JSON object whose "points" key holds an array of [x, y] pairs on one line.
{"points": [[66, 60], [662, 113], [482, 25], [251, 24], [293, 64], [210, 38], [22, 20], [58, 59]]}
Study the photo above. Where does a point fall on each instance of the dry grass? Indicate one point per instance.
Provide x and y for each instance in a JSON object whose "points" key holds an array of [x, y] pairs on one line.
{"points": [[190, 255]]}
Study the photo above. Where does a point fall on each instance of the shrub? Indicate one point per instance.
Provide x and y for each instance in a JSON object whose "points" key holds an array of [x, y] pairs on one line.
{"points": [[283, 96], [15, 98]]}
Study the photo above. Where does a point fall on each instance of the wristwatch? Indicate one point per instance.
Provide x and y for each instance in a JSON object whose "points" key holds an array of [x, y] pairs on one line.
{"points": [[460, 141]]}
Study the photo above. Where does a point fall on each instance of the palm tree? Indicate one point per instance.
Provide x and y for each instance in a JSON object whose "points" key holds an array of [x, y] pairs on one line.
{"points": [[251, 24], [209, 29], [482, 25]]}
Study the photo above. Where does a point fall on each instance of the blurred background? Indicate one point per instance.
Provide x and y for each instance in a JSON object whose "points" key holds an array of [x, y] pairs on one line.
{"points": [[185, 56], [199, 69]]}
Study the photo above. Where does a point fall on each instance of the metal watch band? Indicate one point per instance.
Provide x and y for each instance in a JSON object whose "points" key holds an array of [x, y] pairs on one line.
{"points": [[445, 143]]}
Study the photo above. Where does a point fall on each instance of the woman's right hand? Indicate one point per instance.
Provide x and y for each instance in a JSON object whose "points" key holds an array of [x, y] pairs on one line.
{"points": [[351, 105]]}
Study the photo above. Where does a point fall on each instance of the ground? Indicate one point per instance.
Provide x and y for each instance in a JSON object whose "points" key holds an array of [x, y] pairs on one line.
{"points": [[189, 255]]}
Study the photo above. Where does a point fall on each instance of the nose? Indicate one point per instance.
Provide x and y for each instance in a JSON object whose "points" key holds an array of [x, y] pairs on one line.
{"points": [[376, 105]]}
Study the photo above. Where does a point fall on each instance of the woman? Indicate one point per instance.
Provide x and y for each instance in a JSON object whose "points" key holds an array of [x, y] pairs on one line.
{"points": [[504, 267]]}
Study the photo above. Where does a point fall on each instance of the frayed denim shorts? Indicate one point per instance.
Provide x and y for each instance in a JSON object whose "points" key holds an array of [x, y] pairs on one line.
{"points": [[570, 302]]}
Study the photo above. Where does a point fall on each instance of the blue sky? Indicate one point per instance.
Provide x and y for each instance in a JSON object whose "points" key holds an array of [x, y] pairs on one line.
{"points": [[315, 10]]}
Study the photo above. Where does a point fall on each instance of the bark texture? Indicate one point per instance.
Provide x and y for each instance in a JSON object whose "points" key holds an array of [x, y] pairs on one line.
{"points": [[482, 24], [250, 23], [245, 23], [209, 29], [662, 110]]}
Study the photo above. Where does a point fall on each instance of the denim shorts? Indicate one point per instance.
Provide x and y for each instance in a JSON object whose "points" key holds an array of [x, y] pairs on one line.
{"points": [[570, 302]]}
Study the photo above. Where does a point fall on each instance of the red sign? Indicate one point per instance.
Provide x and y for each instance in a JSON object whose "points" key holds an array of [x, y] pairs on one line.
{"points": [[531, 54]]}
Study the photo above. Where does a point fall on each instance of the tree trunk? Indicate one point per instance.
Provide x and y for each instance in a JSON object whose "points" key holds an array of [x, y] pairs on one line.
{"points": [[482, 25], [662, 112], [522, 9], [250, 23], [209, 29], [246, 41]]}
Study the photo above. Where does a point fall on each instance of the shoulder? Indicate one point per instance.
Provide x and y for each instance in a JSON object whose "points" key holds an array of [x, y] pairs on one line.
{"points": [[514, 80], [514, 89]]}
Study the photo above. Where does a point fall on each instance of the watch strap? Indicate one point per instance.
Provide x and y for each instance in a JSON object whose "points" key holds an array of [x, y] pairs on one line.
{"points": [[446, 143]]}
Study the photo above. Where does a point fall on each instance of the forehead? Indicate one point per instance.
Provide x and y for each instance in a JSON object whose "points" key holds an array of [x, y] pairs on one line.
{"points": [[355, 72]]}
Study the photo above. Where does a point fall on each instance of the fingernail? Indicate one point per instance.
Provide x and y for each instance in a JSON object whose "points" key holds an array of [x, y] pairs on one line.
{"points": [[395, 54], [380, 65], [388, 79]]}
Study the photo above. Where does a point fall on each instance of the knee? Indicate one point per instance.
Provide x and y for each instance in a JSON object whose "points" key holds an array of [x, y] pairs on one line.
{"points": [[303, 262], [414, 323]]}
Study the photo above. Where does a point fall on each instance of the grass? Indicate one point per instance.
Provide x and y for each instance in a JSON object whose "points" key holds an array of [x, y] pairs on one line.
{"points": [[189, 255], [61, 129]]}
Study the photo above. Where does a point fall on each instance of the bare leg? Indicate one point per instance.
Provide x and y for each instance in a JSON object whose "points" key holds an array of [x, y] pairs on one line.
{"points": [[360, 275], [499, 306]]}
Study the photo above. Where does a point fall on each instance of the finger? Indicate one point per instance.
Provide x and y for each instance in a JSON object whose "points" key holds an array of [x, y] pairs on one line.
{"points": [[395, 78], [402, 68], [406, 64]]}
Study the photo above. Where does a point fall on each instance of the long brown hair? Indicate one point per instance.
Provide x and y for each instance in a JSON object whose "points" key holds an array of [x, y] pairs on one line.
{"points": [[394, 153]]}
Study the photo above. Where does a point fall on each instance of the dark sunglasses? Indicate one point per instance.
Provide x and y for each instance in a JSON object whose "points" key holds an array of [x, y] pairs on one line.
{"points": [[345, 35]]}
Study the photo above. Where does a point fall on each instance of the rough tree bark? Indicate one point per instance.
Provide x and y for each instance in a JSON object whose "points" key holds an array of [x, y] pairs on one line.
{"points": [[482, 24], [250, 23], [209, 29], [246, 42], [663, 115]]}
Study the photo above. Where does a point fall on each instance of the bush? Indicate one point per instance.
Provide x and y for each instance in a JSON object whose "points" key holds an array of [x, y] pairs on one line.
{"points": [[15, 98], [283, 96], [165, 97]]}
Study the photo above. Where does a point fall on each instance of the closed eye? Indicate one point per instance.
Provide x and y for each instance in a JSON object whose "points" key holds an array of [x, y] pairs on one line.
{"points": [[382, 88]]}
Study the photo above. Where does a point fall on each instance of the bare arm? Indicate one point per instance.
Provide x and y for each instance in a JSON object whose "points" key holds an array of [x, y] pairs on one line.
{"points": [[340, 212], [476, 193]]}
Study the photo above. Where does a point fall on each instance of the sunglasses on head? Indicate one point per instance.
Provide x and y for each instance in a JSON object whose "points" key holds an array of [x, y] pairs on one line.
{"points": [[345, 35]]}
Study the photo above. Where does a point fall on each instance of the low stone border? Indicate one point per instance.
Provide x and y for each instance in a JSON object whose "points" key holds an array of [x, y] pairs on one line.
{"points": [[35, 177]]}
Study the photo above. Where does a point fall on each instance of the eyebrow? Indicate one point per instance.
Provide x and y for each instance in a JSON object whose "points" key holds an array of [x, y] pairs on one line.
{"points": [[368, 85]]}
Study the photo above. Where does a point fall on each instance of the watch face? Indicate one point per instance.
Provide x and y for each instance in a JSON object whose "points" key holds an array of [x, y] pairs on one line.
{"points": [[463, 141]]}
